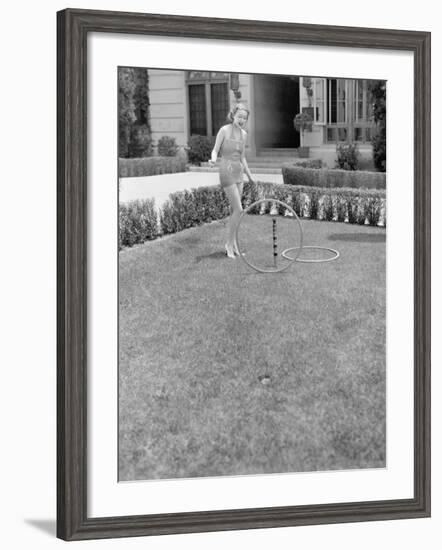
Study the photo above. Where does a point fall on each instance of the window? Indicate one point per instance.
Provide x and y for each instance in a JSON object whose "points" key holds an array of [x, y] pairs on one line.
{"points": [[197, 107], [208, 94], [337, 117], [319, 95], [363, 109], [337, 104], [219, 95], [344, 108]]}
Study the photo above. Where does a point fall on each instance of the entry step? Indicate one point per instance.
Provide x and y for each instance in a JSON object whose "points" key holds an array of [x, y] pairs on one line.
{"points": [[278, 152]]}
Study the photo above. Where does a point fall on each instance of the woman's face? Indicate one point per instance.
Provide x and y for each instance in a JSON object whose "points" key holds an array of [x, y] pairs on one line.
{"points": [[240, 118]]}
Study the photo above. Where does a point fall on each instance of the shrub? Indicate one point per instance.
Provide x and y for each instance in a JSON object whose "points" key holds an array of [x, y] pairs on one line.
{"points": [[182, 155], [200, 148], [373, 210], [126, 108], [138, 222], [134, 135], [310, 177], [140, 141], [328, 206], [366, 163], [167, 146], [343, 204], [302, 122], [347, 156], [190, 208], [251, 193], [379, 141], [295, 175], [151, 166], [313, 204], [310, 163], [334, 179]]}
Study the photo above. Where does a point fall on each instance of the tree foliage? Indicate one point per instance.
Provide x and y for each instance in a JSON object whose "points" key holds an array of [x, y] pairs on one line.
{"points": [[378, 92], [134, 135], [126, 108]]}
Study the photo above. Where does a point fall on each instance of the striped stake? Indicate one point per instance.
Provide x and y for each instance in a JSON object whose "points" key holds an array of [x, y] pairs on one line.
{"points": [[275, 245]]}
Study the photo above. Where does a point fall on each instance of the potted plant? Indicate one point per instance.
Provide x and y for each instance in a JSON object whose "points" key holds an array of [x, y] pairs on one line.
{"points": [[303, 121]]}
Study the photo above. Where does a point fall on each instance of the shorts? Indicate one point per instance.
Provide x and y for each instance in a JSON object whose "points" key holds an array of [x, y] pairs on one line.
{"points": [[230, 172]]}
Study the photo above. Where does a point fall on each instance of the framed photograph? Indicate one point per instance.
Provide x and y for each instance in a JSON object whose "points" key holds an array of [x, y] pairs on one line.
{"points": [[243, 212]]}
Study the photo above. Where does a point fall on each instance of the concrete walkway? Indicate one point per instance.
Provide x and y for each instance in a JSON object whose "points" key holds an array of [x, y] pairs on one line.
{"points": [[160, 187]]}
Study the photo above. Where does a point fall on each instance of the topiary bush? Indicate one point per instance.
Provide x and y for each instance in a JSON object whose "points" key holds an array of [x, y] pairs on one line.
{"points": [[167, 146], [200, 148]]}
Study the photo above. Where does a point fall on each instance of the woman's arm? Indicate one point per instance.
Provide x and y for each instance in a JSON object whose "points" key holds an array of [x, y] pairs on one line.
{"points": [[218, 142], [243, 159]]}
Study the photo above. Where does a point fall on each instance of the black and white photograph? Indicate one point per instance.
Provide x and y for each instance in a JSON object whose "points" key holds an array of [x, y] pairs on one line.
{"points": [[251, 273], [218, 306]]}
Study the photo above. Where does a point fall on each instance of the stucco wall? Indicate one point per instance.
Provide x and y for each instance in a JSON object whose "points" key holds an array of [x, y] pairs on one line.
{"points": [[168, 114]]}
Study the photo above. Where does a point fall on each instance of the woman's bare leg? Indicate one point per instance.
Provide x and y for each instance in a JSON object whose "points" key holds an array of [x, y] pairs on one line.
{"points": [[233, 195], [239, 186]]}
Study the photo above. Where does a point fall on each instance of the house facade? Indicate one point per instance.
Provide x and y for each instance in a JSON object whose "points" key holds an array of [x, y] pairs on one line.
{"points": [[184, 103]]}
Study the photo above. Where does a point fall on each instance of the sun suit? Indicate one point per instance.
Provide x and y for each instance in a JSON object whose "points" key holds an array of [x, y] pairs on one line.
{"points": [[231, 169]]}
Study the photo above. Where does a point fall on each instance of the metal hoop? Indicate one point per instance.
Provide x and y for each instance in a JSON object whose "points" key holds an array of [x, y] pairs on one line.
{"points": [[299, 248], [297, 259]]}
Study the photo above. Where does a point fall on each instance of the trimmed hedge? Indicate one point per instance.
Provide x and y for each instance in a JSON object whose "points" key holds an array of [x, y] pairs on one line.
{"points": [[309, 163], [193, 207], [138, 222], [205, 204], [361, 206], [152, 166], [310, 177]]}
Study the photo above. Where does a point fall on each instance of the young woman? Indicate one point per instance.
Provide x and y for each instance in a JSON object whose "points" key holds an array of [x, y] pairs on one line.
{"points": [[231, 142]]}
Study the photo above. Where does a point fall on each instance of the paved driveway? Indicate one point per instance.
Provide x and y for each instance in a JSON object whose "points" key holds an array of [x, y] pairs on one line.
{"points": [[160, 187]]}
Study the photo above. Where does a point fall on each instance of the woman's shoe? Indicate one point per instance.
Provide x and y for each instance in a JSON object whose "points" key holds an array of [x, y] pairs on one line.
{"points": [[229, 252], [236, 250]]}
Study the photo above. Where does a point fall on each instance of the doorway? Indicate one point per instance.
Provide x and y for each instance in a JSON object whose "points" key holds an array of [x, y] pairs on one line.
{"points": [[276, 104]]}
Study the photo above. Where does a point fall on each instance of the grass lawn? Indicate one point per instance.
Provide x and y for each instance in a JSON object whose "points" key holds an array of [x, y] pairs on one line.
{"points": [[225, 371]]}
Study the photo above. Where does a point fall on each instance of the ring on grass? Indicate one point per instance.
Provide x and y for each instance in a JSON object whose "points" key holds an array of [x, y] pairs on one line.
{"points": [[262, 240], [314, 261]]}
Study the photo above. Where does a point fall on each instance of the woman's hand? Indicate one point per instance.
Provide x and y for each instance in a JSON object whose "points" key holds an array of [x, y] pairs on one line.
{"points": [[211, 162]]}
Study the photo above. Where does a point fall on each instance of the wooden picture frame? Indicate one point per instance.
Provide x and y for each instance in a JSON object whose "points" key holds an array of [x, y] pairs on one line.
{"points": [[73, 27]]}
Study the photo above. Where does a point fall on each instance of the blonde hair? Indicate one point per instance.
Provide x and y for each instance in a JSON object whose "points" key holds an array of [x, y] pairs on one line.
{"points": [[237, 107]]}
